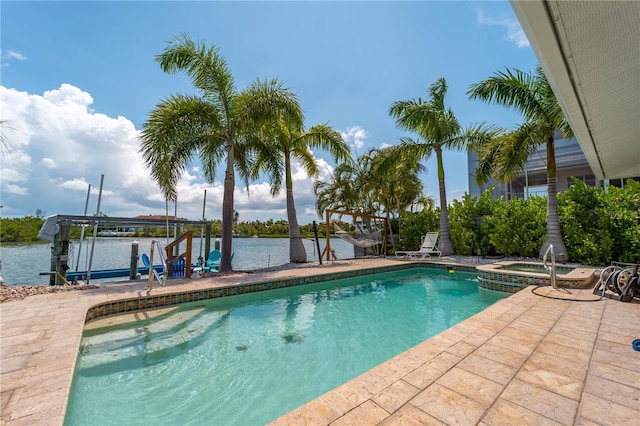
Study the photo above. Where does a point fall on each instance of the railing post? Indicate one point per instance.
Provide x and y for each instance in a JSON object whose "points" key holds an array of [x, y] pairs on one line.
{"points": [[551, 269], [133, 266]]}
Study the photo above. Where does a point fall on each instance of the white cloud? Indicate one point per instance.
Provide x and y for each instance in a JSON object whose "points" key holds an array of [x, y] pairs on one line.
{"points": [[9, 55], [514, 31], [15, 189], [61, 146], [49, 163], [75, 184], [354, 136]]}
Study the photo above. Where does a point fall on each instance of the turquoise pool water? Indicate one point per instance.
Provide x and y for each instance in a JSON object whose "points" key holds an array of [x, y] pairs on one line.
{"points": [[249, 359], [539, 268]]}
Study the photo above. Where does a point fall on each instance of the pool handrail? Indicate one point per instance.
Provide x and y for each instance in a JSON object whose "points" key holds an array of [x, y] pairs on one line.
{"points": [[552, 268], [162, 279]]}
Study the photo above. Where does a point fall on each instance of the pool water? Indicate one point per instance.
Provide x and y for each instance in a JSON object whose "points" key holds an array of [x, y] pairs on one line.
{"points": [[537, 268], [249, 359]]}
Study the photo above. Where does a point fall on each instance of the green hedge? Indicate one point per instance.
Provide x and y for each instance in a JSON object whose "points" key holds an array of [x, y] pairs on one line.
{"points": [[598, 227]]}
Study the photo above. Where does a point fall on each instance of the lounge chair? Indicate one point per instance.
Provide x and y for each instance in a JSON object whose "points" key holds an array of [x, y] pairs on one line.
{"points": [[213, 261], [428, 248]]}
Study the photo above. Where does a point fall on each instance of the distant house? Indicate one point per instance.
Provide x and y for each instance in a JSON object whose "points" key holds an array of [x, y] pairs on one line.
{"points": [[570, 163]]}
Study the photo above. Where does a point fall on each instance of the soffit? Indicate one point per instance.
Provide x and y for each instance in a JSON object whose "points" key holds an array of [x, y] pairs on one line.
{"points": [[590, 52]]}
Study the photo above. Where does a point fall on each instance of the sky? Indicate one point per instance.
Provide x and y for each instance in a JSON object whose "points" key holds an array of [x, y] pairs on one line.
{"points": [[78, 79]]}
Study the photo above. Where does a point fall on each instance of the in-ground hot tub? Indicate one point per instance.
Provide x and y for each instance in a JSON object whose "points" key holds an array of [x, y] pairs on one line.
{"points": [[514, 276], [536, 267]]}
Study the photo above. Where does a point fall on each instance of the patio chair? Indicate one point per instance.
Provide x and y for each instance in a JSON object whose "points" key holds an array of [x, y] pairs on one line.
{"points": [[429, 247], [213, 261]]}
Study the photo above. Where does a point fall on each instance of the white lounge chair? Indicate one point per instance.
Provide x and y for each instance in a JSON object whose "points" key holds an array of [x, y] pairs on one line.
{"points": [[428, 248]]}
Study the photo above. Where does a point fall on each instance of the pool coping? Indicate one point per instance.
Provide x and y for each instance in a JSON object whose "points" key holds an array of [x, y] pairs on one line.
{"points": [[41, 335]]}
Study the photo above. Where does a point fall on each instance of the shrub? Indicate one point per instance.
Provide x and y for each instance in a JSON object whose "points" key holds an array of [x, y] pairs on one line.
{"points": [[415, 225], [20, 229], [600, 227], [469, 230], [619, 222], [577, 208], [518, 226]]}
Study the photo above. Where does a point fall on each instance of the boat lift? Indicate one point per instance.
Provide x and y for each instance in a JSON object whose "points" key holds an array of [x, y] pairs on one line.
{"points": [[57, 230]]}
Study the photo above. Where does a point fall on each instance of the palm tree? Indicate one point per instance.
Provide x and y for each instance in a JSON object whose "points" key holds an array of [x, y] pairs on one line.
{"points": [[438, 129], [393, 181], [532, 96], [220, 122], [274, 157], [378, 181], [342, 193]]}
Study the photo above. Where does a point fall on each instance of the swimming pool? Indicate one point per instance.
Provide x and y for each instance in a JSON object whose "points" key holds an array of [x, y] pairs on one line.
{"points": [[249, 359]]}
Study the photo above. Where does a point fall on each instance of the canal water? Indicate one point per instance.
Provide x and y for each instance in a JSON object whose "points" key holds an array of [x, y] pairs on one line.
{"points": [[23, 262]]}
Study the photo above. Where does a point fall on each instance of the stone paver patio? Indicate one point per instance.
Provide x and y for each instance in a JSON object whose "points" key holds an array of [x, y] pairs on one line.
{"points": [[528, 359]]}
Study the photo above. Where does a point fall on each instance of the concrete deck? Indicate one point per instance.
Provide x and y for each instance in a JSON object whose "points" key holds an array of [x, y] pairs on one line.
{"points": [[527, 359]]}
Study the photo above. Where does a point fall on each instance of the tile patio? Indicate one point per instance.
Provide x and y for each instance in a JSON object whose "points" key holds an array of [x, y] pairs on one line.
{"points": [[525, 360]]}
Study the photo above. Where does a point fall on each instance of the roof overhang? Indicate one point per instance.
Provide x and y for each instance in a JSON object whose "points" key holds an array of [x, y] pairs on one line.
{"points": [[590, 52]]}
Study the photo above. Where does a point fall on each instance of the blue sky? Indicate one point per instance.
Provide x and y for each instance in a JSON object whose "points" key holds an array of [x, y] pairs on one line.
{"points": [[78, 80]]}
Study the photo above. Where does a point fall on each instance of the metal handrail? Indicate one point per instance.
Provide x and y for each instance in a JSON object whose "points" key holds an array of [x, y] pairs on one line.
{"points": [[552, 268], [152, 272]]}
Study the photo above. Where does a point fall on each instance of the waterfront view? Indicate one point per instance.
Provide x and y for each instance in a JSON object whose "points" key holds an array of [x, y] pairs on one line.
{"points": [[23, 262]]}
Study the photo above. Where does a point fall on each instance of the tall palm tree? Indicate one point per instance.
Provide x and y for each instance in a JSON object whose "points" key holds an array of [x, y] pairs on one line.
{"points": [[438, 129], [274, 157], [532, 96], [220, 122]]}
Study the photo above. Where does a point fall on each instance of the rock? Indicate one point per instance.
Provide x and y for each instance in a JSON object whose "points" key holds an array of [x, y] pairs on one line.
{"points": [[9, 293]]}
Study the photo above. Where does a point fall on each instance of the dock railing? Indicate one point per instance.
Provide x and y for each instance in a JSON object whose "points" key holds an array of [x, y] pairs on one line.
{"points": [[174, 262]]}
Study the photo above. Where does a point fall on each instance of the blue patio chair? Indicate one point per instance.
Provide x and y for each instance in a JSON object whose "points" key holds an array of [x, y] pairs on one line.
{"points": [[213, 261]]}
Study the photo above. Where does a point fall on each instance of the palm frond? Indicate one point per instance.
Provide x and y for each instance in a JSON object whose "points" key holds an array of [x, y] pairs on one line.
{"points": [[175, 131], [513, 89], [475, 136], [268, 101], [324, 137], [206, 68]]}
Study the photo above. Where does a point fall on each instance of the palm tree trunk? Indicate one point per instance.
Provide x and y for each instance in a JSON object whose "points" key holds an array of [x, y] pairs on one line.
{"points": [[554, 233], [297, 253], [227, 212], [393, 240], [445, 245]]}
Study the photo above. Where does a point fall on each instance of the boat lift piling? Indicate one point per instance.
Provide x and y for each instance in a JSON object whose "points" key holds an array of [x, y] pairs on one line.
{"points": [[60, 255], [133, 267], [57, 230]]}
